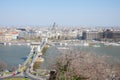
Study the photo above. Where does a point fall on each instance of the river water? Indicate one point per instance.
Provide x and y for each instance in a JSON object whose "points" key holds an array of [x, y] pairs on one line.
{"points": [[14, 55]]}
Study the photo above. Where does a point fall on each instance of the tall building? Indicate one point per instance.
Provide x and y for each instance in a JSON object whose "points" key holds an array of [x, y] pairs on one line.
{"points": [[110, 35], [54, 28], [107, 34], [91, 35], [116, 35]]}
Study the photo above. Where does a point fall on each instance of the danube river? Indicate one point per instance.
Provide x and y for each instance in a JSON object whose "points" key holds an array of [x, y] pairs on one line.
{"points": [[13, 55]]}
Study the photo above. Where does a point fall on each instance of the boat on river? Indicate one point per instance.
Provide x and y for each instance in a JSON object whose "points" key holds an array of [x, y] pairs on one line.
{"points": [[96, 45], [62, 48]]}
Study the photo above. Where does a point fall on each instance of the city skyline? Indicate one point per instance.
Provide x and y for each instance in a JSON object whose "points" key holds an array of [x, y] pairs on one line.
{"points": [[63, 12]]}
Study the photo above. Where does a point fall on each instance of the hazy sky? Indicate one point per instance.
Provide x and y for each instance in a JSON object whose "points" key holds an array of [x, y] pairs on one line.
{"points": [[63, 12]]}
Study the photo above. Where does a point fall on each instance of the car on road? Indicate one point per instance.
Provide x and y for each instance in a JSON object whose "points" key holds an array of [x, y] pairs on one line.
{"points": [[13, 74], [18, 72]]}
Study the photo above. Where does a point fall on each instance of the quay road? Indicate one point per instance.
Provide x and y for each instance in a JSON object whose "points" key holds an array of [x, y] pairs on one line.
{"points": [[34, 54]]}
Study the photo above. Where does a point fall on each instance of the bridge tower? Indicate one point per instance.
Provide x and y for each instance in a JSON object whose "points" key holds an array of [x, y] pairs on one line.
{"points": [[39, 49], [44, 39], [32, 48]]}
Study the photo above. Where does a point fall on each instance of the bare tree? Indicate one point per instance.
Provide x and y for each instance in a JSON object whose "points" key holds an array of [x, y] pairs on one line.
{"points": [[76, 65], [3, 66]]}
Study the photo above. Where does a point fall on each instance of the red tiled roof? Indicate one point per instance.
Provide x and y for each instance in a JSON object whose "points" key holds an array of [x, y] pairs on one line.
{"points": [[14, 32], [1, 33]]}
